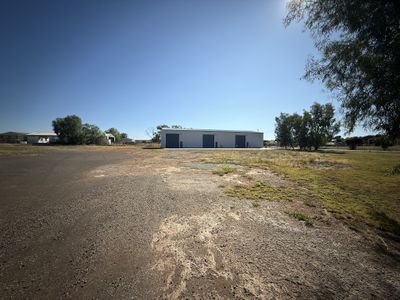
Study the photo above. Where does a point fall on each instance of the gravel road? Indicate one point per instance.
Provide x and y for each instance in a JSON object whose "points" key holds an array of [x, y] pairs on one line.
{"points": [[149, 224]]}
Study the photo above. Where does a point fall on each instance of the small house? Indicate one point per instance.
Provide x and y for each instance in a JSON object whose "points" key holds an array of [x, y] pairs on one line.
{"points": [[42, 138]]}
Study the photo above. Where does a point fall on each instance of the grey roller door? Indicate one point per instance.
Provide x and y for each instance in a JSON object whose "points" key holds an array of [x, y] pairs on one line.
{"points": [[240, 141], [172, 140], [208, 141]]}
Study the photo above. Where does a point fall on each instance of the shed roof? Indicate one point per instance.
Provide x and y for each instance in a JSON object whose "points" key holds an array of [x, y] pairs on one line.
{"points": [[42, 134], [12, 132], [210, 130]]}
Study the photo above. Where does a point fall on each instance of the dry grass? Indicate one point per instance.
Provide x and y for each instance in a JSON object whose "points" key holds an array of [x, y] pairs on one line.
{"points": [[223, 169], [347, 183]]}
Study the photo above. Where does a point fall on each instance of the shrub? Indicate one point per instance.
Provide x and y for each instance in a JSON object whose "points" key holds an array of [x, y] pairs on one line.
{"points": [[301, 217], [384, 141], [222, 170], [353, 142]]}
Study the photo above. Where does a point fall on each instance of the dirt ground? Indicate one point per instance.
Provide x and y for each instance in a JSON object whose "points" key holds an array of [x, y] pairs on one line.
{"points": [[129, 223]]}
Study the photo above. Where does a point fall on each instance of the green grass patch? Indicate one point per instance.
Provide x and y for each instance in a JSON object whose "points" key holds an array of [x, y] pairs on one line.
{"points": [[261, 190], [223, 169], [352, 183]]}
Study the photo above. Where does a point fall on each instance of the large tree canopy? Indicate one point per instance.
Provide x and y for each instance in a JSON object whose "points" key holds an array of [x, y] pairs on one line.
{"points": [[91, 134], [359, 41], [313, 129], [69, 129]]}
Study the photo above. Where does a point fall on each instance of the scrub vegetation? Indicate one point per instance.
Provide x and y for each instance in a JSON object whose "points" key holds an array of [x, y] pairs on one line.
{"points": [[222, 170], [301, 217], [262, 190], [352, 185]]}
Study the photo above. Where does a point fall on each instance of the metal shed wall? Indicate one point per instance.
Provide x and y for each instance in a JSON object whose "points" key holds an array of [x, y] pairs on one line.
{"points": [[193, 138]]}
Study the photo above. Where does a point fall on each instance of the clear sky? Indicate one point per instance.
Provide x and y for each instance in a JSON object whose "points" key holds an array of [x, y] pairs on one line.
{"points": [[136, 64]]}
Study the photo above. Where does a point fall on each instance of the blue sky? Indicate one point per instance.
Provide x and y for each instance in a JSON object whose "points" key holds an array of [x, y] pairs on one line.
{"points": [[136, 64]]}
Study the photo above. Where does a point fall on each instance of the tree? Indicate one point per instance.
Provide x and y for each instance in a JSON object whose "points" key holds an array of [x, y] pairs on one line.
{"points": [[124, 135], [353, 142], [384, 142], [313, 129], [91, 134], [303, 137], [295, 125], [323, 124], [68, 129], [359, 41], [156, 134], [283, 130], [115, 133]]}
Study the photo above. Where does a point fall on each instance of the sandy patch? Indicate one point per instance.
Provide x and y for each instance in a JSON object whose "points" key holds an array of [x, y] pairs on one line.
{"points": [[189, 249]]}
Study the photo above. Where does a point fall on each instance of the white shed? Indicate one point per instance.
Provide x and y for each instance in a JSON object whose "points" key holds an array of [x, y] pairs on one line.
{"points": [[110, 138], [210, 138], [42, 138]]}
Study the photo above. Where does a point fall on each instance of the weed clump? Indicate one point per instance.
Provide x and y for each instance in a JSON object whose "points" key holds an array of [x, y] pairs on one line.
{"points": [[301, 217], [260, 190], [395, 170], [222, 170]]}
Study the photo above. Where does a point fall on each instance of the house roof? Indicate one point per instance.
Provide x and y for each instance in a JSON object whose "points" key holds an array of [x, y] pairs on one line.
{"points": [[42, 134], [210, 130], [12, 132], [109, 135]]}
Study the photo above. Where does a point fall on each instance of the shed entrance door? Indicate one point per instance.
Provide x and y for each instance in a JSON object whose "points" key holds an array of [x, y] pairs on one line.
{"points": [[208, 141], [172, 140], [240, 141]]}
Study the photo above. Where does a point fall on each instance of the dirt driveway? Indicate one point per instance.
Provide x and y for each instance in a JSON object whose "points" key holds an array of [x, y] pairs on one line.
{"points": [[145, 224]]}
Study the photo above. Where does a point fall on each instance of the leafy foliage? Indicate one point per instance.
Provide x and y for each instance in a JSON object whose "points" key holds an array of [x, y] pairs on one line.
{"points": [[283, 130], [353, 142], [323, 124], [156, 133], [91, 134], [313, 129], [384, 141], [359, 41], [68, 129], [71, 131]]}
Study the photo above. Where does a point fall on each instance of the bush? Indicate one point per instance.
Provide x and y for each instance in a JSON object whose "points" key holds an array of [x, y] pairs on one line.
{"points": [[384, 141], [353, 142], [222, 170], [301, 217]]}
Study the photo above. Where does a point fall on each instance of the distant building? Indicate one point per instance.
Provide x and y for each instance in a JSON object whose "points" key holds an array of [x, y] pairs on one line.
{"points": [[127, 141], [110, 138], [12, 137], [142, 141], [42, 138], [210, 138]]}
